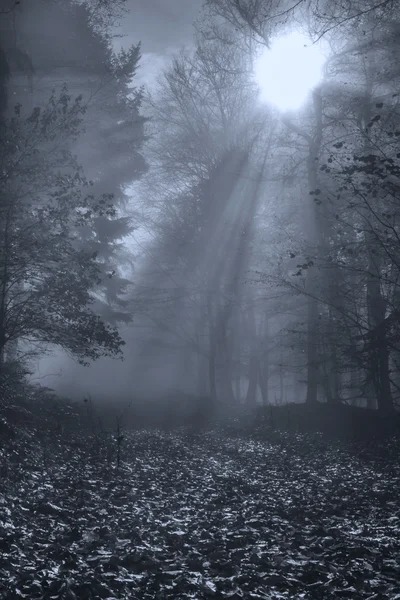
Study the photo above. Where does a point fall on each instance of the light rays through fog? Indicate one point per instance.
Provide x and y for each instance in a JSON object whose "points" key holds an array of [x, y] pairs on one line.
{"points": [[212, 283]]}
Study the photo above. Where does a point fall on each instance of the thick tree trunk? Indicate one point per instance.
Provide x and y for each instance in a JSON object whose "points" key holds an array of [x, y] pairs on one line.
{"points": [[11, 351], [379, 354], [379, 351]]}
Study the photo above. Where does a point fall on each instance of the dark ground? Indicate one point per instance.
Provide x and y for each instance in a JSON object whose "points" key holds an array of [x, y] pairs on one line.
{"points": [[199, 514]]}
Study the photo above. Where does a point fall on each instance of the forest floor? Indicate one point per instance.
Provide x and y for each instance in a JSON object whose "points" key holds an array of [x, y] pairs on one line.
{"points": [[202, 515]]}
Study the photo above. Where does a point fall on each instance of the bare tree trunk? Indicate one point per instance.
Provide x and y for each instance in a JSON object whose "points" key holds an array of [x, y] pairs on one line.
{"points": [[202, 375], [376, 303], [238, 388], [251, 396], [379, 351], [312, 344], [330, 366], [211, 353], [254, 366], [212, 371], [379, 356], [263, 382], [227, 353], [336, 382], [281, 385], [264, 362], [371, 397], [4, 281], [11, 351], [315, 236], [226, 386]]}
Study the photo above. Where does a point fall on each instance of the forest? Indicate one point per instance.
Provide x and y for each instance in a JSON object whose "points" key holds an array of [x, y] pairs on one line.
{"points": [[200, 302]]}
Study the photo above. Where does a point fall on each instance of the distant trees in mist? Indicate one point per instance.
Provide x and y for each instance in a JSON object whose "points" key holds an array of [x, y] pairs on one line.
{"points": [[309, 310]]}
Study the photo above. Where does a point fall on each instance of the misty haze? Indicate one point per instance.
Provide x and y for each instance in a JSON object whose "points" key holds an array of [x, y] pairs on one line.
{"points": [[199, 299]]}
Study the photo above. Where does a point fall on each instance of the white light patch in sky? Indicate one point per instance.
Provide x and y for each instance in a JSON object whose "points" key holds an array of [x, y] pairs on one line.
{"points": [[288, 71]]}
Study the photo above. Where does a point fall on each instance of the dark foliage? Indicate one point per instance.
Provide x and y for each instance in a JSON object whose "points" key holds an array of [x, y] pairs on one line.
{"points": [[334, 421]]}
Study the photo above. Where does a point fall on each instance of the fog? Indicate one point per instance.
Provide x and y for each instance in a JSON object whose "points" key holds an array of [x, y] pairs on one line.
{"points": [[167, 346], [244, 249]]}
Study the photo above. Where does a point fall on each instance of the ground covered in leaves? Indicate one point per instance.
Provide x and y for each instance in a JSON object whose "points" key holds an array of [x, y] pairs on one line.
{"points": [[202, 515]]}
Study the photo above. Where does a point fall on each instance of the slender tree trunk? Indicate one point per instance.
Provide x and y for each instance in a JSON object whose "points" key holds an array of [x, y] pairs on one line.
{"points": [[211, 375], [316, 238], [314, 234], [1, 361], [251, 396], [223, 362], [254, 365], [263, 382], [335, 377], [281, 383], [385, 400], [264, 362], [227, 393], [202, 375], [312, 344], [211, 353], [238, 388]]}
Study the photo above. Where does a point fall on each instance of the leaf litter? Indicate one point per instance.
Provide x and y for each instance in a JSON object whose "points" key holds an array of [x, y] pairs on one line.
{"points": [[203, 516]]}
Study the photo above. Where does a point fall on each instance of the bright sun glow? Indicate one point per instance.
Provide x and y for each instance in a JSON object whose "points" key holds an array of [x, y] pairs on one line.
{"points": [[288, 71]]}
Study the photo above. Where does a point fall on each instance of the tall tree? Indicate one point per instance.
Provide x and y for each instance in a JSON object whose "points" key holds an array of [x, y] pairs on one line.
{"points": [[63, 45], [45, 276], [204, 189]]}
